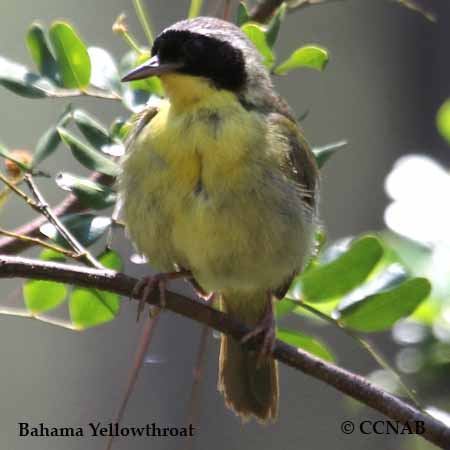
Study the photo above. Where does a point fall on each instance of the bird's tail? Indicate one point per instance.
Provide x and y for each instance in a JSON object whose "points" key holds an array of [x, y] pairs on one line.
{"points": [[250, 389]]}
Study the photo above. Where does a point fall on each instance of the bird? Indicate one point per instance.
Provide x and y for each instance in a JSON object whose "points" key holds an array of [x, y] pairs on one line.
{"points": [[218, 185]]}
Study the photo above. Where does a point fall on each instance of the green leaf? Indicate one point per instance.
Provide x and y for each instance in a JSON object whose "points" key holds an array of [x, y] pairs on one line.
{"points": [[72, 56], [257, 35], [41, 54], [119, 129], [274, 25], [305, 342], [88, 309], [322, 154], [443, 120], [380, 311], [90, 193], [111, 260], [51, 255], [96, 134], [88, 156], [86, 228], [104, 71], [284, 307], [243, 15], [41, 296], [21, 81], [348, 271], [311, 56], [195, 8], [388, 278], [50, 140], [47, 144]]}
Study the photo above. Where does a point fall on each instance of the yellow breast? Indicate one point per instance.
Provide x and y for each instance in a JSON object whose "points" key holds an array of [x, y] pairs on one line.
{"points": [[201, 191]]}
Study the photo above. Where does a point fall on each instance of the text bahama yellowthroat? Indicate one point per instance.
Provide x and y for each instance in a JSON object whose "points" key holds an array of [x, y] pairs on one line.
{"points": [[220, 185]]}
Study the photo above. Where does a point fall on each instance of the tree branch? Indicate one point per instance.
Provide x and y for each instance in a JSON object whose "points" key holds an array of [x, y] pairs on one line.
{"points": [[265, 9], [346, 382]]}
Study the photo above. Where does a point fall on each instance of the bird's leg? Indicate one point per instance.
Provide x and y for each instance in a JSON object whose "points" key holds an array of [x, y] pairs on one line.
{"points": [[145, 287], [266, 327]]}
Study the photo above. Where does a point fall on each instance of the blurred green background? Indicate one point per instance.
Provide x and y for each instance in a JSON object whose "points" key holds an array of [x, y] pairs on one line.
{"points": [[389, 73]]}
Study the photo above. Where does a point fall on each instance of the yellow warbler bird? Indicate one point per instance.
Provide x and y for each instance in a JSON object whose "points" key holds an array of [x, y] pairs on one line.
{"points": [[219, 185]]}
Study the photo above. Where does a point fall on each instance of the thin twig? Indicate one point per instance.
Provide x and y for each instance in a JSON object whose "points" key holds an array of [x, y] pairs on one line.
{"points": [[69, 205], [341, 379], [144, 343], [265, 9], [45, 209], [194, 400], [227, 10], [40, 242], [120, 27], [19, 192]]}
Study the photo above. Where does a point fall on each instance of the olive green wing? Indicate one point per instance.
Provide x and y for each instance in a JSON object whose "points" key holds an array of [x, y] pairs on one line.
{"points": [[138, 122], [299, 163]]}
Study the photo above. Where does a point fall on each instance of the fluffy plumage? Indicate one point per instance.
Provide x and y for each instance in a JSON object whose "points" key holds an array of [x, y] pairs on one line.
{"points": [[221, 182]]}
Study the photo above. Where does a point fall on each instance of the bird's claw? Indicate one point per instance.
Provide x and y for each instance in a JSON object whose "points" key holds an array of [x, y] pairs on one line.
{"points": [[144, 289]]}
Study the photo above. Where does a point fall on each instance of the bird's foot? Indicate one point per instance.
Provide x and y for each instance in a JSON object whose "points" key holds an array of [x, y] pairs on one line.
{"points": [[144, 289], [267, 327]]}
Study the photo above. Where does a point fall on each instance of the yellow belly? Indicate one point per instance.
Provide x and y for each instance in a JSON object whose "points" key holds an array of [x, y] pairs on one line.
{"points": [[203, 190]]}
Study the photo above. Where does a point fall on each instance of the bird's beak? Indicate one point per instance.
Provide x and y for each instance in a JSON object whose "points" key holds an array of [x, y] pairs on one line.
{"points": [[151, 68]]}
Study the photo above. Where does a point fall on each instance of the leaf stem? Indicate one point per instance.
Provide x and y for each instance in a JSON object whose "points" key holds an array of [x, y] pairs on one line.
{"points": [[195, 8], [37, 241], [144, 20]]}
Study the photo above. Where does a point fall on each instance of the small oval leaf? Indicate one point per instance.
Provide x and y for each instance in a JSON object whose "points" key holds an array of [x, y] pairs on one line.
{"points": [[284, 307], [443, 120], [305, 342], [50, 140], [72, 56], [104, 71], [21, 81], [91, 194], [311, 56], [88, 156], [97, 135], [380, 311], [257, 35], [41, 54], [274, 25], [88, 309], [111, 260], [41, 296], [86, 228], [349, 270], [243, 14]]}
